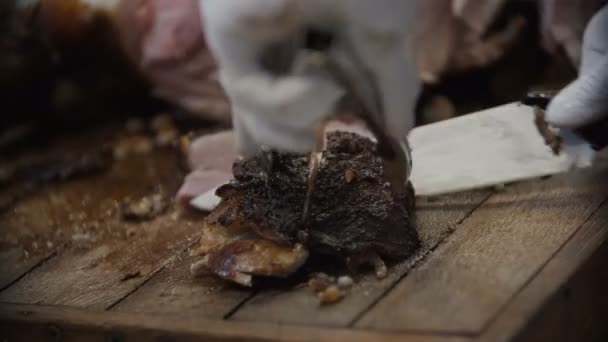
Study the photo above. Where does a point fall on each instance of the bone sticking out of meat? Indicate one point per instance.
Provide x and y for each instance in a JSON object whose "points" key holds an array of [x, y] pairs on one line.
{"points": [[255, 230]]}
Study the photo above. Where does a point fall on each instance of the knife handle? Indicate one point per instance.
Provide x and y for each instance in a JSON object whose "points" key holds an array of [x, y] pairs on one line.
{"points": [[596, 134]]}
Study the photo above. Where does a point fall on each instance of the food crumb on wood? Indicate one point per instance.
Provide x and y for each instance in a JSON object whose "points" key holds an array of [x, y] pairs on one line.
{"points": [[81, 237], [133, 145], [130, 275], [380, 268], [320, 282], [345, 282], [131, 232], [330, 289], [349, 175], [332, 294], [145, 208]]}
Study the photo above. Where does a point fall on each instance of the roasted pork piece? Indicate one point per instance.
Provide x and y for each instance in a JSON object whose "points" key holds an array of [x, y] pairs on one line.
{"points": [[258, 228]]}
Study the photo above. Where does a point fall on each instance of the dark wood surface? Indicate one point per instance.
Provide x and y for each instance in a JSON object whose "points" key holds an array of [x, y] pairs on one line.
{"points": [[524, 263]]}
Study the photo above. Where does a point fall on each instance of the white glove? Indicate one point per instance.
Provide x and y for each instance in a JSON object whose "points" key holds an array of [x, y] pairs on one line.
{"points": [[282, 112], [585, 101]]}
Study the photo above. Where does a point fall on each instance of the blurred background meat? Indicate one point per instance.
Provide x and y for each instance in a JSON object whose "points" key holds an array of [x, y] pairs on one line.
{"points": [[477, 54], [165, 41], [68, 63]]}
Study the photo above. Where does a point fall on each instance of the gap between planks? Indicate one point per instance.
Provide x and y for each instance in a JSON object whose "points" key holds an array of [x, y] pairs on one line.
{"points": [[437, 218], [418, 262], [544, 265], [588, 247], [491, 256], [20, 322], [31, 269]]}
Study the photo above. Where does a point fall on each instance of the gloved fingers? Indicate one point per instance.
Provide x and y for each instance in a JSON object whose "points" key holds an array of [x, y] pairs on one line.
{"points": [[284, 99], [254, 130], [387, 58], [595, 41], [579, 152], [245, 143], [583, 102]]}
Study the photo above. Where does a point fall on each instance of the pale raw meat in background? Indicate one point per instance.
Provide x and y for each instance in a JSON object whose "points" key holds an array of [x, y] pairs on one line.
{"points": [[210, 158], [165, 40], [452, 35]]}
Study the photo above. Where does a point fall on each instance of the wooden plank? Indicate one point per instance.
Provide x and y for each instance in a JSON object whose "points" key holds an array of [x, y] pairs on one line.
{"points": [[176, 291], [38, 323], [570, 289], [491, 256], [15, 262], [100, 275], [42, 221], [437, 218], [104, 258]]}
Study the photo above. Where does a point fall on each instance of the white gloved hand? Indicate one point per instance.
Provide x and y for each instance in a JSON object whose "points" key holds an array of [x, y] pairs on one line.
{"points": [[585, 101], [282, 112]]}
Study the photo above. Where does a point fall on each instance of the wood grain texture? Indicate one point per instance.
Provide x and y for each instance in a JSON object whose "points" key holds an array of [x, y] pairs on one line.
{"points": [[101, 258], [40, 219], [504, 243], [43, 323], [14, 263], [103, 273], [567, 300], [78, 213], [176, 291], [437, 218]]}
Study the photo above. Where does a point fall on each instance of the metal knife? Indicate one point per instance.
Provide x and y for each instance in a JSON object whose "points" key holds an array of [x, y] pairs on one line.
{"points": [[494, 146]]}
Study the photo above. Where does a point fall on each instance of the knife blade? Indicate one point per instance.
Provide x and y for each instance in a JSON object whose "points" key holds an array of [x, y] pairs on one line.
{"points": [[494, 146]]}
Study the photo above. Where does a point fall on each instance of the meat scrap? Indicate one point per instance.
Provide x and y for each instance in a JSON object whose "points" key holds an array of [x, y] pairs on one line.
{"points": [[232, 251], [539, 100], [210, 158], [551, 138], [261, 210], [329, 290], [145, 208]]}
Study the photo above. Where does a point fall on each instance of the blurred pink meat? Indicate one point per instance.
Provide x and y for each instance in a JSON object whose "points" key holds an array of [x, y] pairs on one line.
{"points": [[166, 41], [210, 158], [455, 35]]}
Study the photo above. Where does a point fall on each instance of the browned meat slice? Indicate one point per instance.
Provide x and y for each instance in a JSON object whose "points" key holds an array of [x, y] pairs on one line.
{"points": [[240, 260], [353, 213], [353, 210], [232, 251]]}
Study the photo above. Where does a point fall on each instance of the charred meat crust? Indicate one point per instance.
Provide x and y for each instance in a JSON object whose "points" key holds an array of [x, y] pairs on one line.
{"points": [[353, 210]]}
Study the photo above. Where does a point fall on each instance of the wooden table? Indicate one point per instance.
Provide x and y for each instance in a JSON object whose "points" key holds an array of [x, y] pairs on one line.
{"points": [[527, 262]]}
